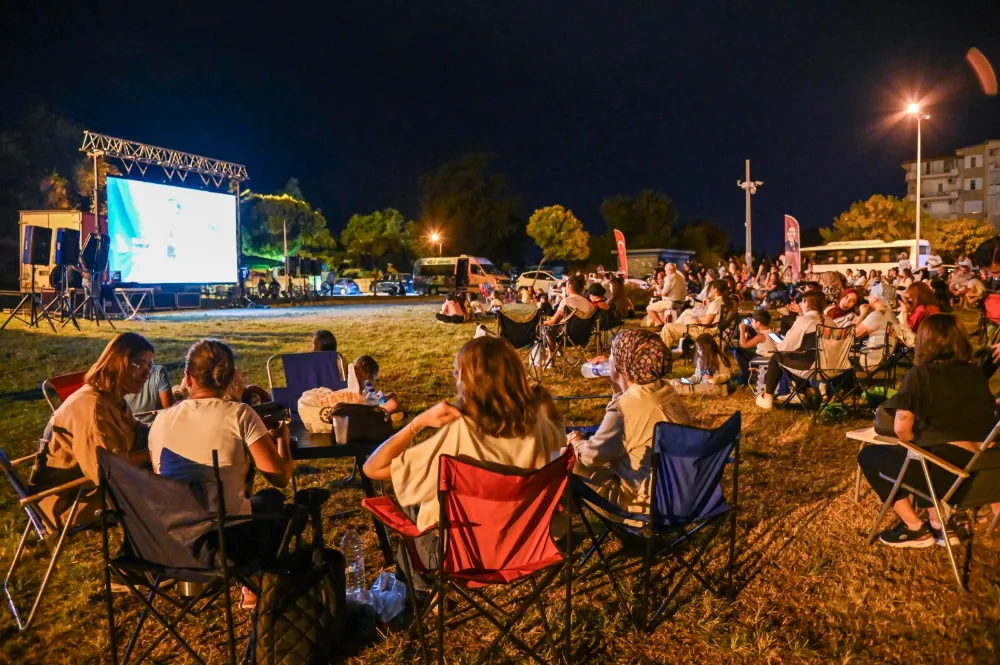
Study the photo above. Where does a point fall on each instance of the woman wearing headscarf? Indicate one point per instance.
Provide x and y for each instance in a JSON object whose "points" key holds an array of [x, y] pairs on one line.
{"points": [[843, 311], [616, 459]]}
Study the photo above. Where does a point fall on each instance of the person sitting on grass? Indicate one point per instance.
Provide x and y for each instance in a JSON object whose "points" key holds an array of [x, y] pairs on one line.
{"points": [[95, 416], [360, 374], [498, 417], [798, 349], [754, 342], [616, 459], [711, 365], [452, 310], [673, 333], [944, 406], [155, 394]]}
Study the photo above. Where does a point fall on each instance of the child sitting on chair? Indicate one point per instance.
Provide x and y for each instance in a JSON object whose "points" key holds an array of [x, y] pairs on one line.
{"points": [[711, 365]]}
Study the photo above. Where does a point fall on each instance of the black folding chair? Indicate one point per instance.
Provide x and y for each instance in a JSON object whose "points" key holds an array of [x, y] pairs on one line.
{"points": [[578, 341], [608, 326], [977, 484], [522, 335], [172, 531], [831, 373], [45, 531], [687, 502]]}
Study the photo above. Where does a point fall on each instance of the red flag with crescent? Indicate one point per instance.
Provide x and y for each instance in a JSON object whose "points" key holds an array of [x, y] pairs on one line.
{"points": [[622, 257], [793, 246]]}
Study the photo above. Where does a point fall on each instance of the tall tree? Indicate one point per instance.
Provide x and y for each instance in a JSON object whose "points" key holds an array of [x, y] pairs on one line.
{"points": [[647, 220], [707, 239], [473, 209], [376, 239], [880, 217], [263, 220], [559, 234], [951, 237]]}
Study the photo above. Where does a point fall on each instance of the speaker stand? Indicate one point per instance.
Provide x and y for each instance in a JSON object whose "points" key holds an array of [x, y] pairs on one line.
{"points": [[91, 307], [62, 304], [36, 311]]}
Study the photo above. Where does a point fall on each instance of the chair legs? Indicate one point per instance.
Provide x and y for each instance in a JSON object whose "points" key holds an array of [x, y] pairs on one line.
{"points": [[943, 517], [24, 624]]}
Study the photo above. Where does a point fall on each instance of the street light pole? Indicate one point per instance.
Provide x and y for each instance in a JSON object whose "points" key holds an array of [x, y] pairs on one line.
{"points": [[749, 187], [914, 109]]}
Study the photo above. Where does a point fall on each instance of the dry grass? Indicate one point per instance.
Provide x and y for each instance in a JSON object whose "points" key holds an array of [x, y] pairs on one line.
{"points": [[810, 589]]}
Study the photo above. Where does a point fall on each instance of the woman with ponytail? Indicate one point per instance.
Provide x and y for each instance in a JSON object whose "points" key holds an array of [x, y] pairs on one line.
{"points": [[182, 438]]}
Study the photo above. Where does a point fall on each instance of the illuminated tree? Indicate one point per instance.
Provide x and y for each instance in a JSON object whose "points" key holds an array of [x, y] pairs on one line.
{"points": [[559, 234]]}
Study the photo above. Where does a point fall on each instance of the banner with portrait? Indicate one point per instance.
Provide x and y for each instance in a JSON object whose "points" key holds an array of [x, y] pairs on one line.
{"points": [[793, 247]]}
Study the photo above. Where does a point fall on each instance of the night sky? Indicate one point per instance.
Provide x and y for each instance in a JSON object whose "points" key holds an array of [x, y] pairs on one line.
{"points": [[577, 101]]}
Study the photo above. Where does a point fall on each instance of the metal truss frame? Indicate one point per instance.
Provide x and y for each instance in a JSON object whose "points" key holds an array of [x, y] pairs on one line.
{"points": [[173, 162]]}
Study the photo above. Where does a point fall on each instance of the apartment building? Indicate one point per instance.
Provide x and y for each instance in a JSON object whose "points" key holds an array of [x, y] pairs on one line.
{"points": [[966, 184]]}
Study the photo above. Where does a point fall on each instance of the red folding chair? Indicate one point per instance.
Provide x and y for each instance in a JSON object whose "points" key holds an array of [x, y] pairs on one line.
{"points": [[495, 532], [63, 386]]}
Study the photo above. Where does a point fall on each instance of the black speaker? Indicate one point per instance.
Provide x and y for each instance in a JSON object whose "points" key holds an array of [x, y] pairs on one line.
{"points": [[37, 245], [95, 252], [294, 266], [315, 266], [67, 247]]}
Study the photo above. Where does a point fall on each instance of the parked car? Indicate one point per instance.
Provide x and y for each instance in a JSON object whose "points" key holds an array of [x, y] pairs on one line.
{"points": [[544, 281], [346, 287], [395, 285]]}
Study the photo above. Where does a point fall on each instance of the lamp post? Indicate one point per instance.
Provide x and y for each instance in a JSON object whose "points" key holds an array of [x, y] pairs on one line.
{"points": [[436, 238], [914, 110], [750, 187]]}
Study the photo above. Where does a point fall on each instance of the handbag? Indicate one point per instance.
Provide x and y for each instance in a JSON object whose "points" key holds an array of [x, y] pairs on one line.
{"points": [[365, 423], [885, 417], [302, 605]]}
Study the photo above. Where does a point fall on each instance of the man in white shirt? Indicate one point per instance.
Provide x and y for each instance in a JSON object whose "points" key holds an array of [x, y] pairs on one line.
{"points": [[904, 262], [934, 263], [673, 333], [672, 295], [797, 349]]}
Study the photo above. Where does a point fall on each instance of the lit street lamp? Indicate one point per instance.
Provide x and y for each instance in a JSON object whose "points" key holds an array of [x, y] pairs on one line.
{"points": [[914, 110], [436, 238]]}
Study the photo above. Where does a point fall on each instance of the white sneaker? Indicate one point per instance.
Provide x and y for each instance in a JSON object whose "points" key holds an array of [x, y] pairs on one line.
{"points": [[765, 401]]}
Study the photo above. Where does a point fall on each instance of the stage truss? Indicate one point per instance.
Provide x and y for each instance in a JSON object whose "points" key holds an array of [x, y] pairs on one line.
{"points": [[173, 162]]}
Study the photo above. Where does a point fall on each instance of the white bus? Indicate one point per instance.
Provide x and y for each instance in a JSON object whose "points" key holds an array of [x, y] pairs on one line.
{"points": [[864, 255]]}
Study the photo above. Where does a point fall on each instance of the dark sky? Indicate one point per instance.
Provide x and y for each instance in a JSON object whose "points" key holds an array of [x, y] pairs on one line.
{"points": [[577, 100]]}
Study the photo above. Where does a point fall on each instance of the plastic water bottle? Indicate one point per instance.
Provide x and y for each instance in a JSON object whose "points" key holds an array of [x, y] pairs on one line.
{"points": [[595, 370], [354, 555], [371, 399]]}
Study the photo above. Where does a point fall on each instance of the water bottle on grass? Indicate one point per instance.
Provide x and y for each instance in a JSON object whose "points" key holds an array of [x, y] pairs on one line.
{"points": [[354, 555]]}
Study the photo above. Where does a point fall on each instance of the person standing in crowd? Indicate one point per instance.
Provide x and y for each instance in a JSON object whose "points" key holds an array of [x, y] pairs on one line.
{"points": [[934, 263], [754, 342], [904, 262], [95, 416], [616, 459], [798, 349], [944, 406]]}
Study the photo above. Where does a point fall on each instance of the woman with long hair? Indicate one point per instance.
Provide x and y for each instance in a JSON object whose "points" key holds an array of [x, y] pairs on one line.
{"points": [[944, 406], [919, 302], [95, 416], [621, 306], [497, 417]]}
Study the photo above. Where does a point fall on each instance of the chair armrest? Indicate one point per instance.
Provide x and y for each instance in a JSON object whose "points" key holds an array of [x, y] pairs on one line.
{"points": [[58, 489], [931, 457], [388, 513], [22, 460]]}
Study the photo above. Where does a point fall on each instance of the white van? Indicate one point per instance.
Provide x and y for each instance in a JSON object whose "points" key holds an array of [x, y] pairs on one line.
{"points": [[446, 274]]}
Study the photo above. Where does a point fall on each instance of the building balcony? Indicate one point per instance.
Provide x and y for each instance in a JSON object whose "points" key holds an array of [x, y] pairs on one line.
{"points": [[931, 195]]}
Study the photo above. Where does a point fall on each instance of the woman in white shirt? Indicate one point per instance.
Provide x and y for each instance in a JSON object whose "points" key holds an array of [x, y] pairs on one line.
{"points": [[673, 333], [875, 319], [797, 349], [499, 418]]}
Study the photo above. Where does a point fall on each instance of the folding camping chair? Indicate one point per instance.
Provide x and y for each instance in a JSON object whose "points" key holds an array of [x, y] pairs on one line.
{"points": [[306, 371], [977, 484], [866, 374], [495, 531], [170, 531], [608, 327], [62, 387], [831, 373], [686, 473], [579, 340], [522, 335], [45, 531]]}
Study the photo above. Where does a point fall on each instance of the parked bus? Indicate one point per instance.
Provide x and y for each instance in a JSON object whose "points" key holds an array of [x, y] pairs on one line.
{"points": [[446, 274], [864, 255]]}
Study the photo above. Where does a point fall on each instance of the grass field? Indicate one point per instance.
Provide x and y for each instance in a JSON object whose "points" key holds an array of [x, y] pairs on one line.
{"points": [[810, 589]]}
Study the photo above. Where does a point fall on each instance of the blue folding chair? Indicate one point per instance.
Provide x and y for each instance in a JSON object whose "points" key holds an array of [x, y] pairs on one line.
{"points": [[687, 503], [306, 371]]}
